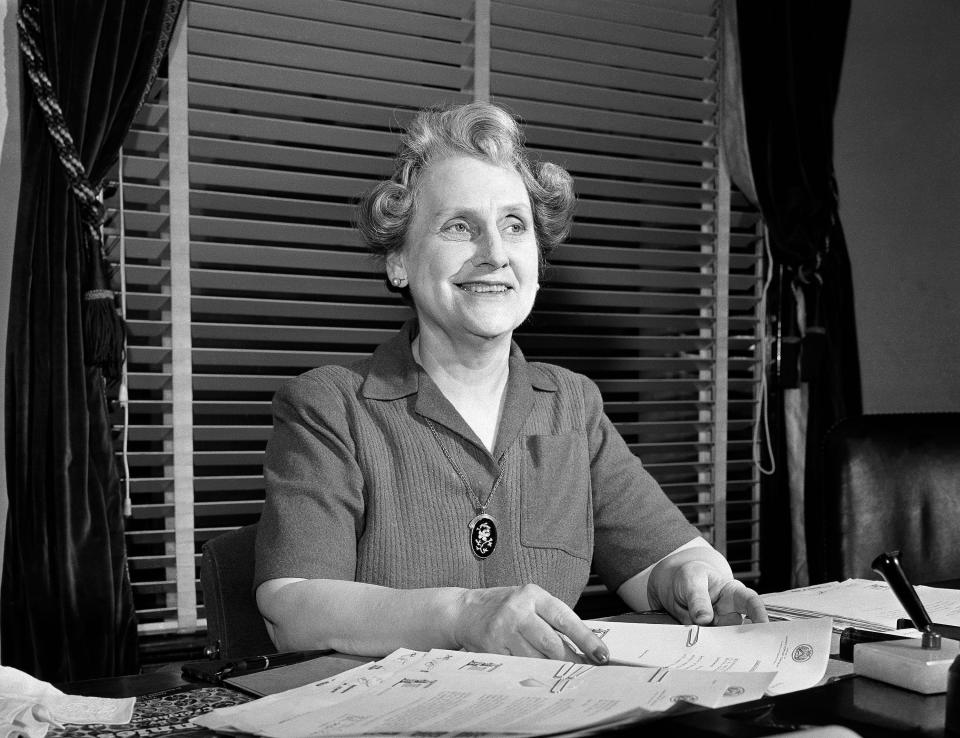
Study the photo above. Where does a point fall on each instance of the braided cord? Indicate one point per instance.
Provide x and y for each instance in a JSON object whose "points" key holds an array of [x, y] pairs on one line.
{"points": [[104, 333], [91, 209]]}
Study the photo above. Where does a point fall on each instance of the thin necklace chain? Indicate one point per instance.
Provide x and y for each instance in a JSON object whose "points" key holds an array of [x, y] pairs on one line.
{"points": [[480, 507]]}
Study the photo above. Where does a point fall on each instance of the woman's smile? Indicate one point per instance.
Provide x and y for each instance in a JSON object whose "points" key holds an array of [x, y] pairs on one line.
{"points": [[484, 288]]}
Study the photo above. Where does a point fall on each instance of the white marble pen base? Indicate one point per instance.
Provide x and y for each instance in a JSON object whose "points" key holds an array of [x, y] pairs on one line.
{"points": [[906, 664]]}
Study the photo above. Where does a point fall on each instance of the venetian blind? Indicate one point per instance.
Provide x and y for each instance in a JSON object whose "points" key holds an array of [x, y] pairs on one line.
{"points": [[242, 268]]}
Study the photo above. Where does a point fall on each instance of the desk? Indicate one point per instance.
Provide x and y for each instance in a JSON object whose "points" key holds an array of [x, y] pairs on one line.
{"points": [[870, 708]]}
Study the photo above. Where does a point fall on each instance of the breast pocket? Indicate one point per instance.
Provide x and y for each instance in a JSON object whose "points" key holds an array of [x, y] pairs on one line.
{"points": [[556, 511]]}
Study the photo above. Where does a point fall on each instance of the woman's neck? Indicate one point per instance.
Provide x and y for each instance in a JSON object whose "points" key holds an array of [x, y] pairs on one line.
{"points": [[473, 380]]}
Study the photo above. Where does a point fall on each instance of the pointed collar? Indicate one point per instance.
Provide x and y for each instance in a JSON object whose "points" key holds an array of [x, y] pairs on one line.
{"points": [[393, 374]]}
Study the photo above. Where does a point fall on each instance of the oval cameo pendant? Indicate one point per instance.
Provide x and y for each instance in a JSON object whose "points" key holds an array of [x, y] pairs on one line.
{"points": [[483, 535]]}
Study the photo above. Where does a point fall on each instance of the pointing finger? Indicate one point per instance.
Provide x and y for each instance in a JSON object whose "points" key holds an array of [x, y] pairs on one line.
{"points": [[563, 620]]}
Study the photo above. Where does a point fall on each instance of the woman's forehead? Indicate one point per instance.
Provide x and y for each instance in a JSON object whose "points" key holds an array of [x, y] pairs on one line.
{"points": [[466, 181]]}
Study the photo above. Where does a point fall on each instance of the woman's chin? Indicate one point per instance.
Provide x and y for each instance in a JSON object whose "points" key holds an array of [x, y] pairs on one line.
{"points": [[495, 321], [492, 328], [478, 322]]}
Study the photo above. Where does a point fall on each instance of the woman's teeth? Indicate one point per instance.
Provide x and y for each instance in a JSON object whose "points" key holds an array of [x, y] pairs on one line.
{"points": [[483, 287]]}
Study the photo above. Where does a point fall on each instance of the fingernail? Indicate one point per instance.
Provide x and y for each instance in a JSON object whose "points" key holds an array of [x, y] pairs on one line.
{"points": [[601, 655]]}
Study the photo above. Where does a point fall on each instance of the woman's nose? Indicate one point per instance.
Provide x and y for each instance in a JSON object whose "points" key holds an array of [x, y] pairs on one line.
{"points": [[491, 250]]}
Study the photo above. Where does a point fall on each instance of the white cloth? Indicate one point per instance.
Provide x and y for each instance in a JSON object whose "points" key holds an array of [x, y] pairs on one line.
{"points": [[29, 706]]}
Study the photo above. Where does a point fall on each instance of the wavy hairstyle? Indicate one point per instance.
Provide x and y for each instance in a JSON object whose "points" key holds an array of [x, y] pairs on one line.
{"points": [[480, 130]]}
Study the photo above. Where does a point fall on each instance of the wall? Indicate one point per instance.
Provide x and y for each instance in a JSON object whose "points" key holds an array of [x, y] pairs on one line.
{"points": [[9, 193], [898, 167]]}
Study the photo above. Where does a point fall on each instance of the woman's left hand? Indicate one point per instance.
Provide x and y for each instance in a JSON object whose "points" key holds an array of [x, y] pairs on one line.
{"points": [[696, 586]]}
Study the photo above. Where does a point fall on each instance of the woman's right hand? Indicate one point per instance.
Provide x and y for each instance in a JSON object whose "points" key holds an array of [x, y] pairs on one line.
{"points": [[523, 621]]}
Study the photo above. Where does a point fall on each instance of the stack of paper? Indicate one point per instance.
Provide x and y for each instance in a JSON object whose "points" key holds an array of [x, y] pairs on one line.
{"points": [[861, 603], [444, 692]]}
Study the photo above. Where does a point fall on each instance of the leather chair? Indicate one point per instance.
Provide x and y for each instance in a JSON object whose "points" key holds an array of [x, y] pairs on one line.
{"points": [[893, 483], [234, 625]]}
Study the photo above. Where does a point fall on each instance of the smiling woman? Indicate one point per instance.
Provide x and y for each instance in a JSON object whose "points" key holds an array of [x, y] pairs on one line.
{"points": [[445, 492]]}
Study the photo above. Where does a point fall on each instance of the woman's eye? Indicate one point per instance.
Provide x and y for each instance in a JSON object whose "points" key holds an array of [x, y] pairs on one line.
{"points": [[457, 228], [516, 227]]}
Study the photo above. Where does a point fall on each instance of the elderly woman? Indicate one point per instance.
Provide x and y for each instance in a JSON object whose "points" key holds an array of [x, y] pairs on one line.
{"points": [[445, 492]]}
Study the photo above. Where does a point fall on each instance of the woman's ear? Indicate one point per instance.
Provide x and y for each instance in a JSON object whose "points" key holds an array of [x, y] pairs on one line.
{"points": [[396, 272]]}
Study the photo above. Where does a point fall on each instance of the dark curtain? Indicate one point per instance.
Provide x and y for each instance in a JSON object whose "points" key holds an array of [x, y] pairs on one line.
{"points": [[791, 53], [67, 605]]}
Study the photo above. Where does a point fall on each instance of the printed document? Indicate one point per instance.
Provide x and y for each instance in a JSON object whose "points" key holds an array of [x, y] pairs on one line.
{"points": [[448, 692], [862, 603], [796, 651]]}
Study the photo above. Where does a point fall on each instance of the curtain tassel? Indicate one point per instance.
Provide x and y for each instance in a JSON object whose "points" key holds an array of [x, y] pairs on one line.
{"points": [[104, 334]]}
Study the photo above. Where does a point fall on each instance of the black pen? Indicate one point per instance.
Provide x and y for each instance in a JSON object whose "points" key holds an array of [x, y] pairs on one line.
{"points": [[259, 663]]}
